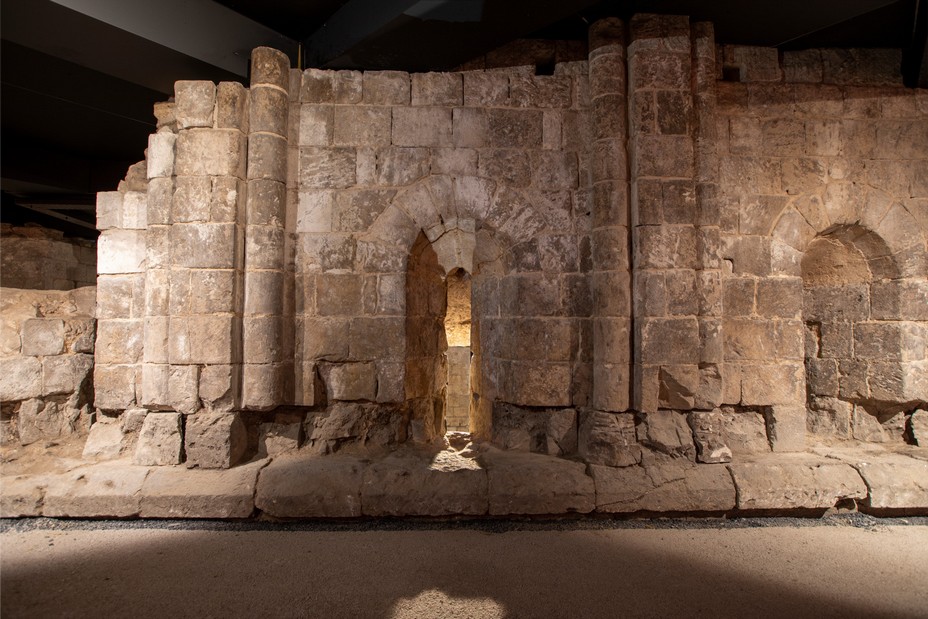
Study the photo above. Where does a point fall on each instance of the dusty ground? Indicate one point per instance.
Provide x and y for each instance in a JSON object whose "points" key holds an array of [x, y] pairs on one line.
{"points": [[845, 566]]}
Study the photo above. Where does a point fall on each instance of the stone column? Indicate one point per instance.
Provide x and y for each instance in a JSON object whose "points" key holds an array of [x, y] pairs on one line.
{"points": [[263, 335], [665, 214], [204, 340], [610, 277]]}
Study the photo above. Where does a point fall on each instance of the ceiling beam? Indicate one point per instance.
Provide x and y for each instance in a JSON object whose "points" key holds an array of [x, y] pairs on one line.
{"points": [[201, 29]]}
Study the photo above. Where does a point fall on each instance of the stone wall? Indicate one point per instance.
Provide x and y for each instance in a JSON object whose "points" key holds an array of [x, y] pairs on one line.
{"points": [[46, 363], [37, 258], [824, 215], [652, 252]]}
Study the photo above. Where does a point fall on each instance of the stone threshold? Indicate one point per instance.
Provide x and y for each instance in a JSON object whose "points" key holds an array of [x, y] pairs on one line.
{"points": [[489, 483]]}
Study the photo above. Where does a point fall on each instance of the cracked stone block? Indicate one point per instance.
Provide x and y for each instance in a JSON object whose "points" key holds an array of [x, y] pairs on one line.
{"points": [[20, 378], [96, 491], [608, 439], [22, 496], [215, 440], [43, 336], [40, 420], [160, 441], [277, 438], [105, 440], [667, 432], [708, 432], [796, 485], [525, 483], [665, 488]]}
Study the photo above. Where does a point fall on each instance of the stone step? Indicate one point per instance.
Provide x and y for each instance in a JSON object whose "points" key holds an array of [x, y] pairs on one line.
{"points": [[419, 482]]}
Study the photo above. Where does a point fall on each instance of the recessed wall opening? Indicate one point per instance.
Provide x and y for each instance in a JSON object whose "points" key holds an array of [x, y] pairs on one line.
{"points": [[457, 333]]}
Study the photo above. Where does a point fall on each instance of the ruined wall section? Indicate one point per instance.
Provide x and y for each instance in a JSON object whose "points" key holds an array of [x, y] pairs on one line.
{"points": [[821, 144], [493, 168], [38, 258]]}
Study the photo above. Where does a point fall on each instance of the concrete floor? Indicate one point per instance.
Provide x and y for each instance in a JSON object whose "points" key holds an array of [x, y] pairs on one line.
{"points": [[851, 568]]}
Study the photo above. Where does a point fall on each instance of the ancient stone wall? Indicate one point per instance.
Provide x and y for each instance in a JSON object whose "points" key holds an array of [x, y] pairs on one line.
{"points": [[653, 253], [46, 363], [824, 217], [37, 258]]}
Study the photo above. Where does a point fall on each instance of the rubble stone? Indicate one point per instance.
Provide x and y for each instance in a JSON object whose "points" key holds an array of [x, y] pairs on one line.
{"points": [[214, 440], [160, 441]]}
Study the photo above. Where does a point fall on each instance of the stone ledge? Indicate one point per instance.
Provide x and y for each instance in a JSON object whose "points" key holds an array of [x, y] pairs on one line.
{"points": [[795, 482], [667, 488], [894, 481], [416, 482], [178, 492]]}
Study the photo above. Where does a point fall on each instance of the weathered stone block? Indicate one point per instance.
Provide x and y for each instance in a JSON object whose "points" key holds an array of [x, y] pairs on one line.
{"points": [[708, 432], [351, 381], [421, 126], [121, 251], [210, 152], [231, 106], [173, 492], [268, 111], [193, 103], [102, 490], [795, 485], [43, 336], [437, 89], [160, 155], [65, 374], [386, 88], [160, 441], [215, 440], [270, 66], [311, 487], [485, 89], [608, 439], [114, 386], [278, 438], [324, 168], [667, 432], [523, 483], [267, 157], [665, 488], [204, 246]]}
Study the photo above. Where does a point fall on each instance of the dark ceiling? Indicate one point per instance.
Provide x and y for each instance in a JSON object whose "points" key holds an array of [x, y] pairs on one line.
{"points": [[79, 77]]}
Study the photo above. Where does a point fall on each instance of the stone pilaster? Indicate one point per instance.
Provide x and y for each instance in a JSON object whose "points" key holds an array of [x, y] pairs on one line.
{"points": [[610, 277], [265, 354]]}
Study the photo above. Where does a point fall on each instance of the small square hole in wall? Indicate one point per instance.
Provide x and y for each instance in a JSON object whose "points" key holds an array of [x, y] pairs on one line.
{"points": [[731, 74], [544, 68]]}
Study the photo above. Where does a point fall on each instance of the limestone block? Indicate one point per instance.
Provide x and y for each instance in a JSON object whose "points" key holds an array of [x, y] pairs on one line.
{"points": [[204, 246], [400, 166], [268, 111], [114, 386], [160, 440], [813, 484], [348, 86], [109, 210], [670, 341], [121, 251], [100, 490], [664, 488], [326, 338], [80, 335], [267, 157], [106, 440], [666, 247], [275, 439], [20, 378], [65, 374], [265, 204], [539, 91], [346, 423], [361, 126], [160, 155], [678, 386], [174, 492], [297, 486], [193, 103], [469, 127], [317, 86], [191, 199], [919, 424], [539, 383], [667, 432], [457, 162], [437, 89], [231, 106], [552, 431], [327, 168], [485, 89], [765, 384], [154, 391], [22, 495], [525, 483], [377, 338], [182, 388], [317, 125], [270, 66], [43, 336], [119, 341], [708, 433], [38, 420], [611, 386], [608, 439], [351, 381], [864, 67], [210, 152], [386, 88], [215, 440], [513, 128], [160, 196], [424, 484], [219, 387], [262, 385], [421, 126]]}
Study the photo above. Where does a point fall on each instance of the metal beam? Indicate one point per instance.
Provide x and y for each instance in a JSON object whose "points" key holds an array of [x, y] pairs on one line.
{"points": [[201, 29]]}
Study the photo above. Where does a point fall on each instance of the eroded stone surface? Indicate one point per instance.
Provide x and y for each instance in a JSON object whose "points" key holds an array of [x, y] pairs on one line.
{"points": [[111, 490], [525, 483], [665, 488], [305, 486], [797, 484], [178, 492]]}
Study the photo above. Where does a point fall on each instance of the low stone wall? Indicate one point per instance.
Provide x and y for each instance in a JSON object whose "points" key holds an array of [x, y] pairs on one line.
{"points": [[46, 363], [37, 258]]}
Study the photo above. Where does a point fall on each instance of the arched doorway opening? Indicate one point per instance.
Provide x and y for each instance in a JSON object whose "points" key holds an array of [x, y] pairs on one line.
{"points": [[458, 395]]}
